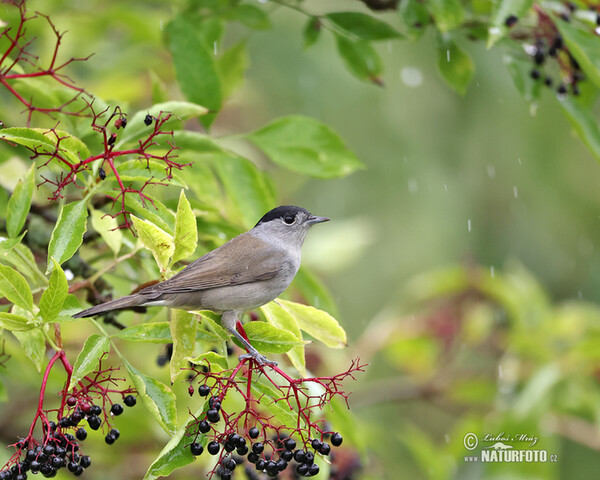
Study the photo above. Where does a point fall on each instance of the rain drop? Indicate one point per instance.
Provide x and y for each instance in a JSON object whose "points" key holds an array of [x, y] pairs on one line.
{"points": [[515, 192], [468, 225], [411, 77]]}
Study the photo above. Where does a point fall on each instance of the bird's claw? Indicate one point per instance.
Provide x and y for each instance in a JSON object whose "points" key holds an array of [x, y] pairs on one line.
{"points": [[258, 358]]}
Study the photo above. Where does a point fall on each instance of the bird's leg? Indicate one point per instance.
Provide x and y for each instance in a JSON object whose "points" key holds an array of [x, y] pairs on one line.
{"points": [[230, 320]]}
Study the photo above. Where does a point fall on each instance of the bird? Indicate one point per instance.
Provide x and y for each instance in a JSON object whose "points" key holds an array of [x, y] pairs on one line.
{"points": [[244, 273]]}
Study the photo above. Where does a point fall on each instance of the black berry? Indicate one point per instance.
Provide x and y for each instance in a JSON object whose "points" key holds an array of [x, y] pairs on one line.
{"points": [[115, 433], [281, 464], [261, 464], [289, 444], [561, 90], [309, 457], [325, 449], [226, 475], [316, 444], [253, 457], [48, 449], [94, 422], [300, 456], [336, 438], [510, 20], [253, 432], [313, 469], [212, 415], [116, 409], [81, 433], [302, 469], [109, 439], [203, 426], [196, 449], [535, 74], [271, 468], [213, 447], [95, 410], [286, 455], [203, 390], [258, 448], [130, 400], [148, 120], [85, 461]]}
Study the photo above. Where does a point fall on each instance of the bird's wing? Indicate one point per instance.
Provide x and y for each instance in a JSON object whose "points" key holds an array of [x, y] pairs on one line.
{"points": [[226, 265]]}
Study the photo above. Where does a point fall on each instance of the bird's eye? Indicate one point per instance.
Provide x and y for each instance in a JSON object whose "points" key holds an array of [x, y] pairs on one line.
{"points": [[289, 219]]}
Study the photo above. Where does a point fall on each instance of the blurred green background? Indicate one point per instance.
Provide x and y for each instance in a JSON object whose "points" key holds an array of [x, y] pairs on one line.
{"points": [[463, 259]]}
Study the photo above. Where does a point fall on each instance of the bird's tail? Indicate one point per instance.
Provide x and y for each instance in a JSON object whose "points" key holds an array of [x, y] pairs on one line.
{"points": [[122, 303]]}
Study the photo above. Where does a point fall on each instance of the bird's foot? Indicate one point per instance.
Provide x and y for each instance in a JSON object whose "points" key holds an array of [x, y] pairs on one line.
{"points": [[258, 358]]}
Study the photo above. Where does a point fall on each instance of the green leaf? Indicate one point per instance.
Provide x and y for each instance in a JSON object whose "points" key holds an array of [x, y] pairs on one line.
{"points": [[252, 16], [33, 344], [54, 296], [520, 72], [67, 235], [231, 67], [312, 31], [181, 111], [158, 214], [19, 203], [211, 321], [21, 257], [7, 244], [360, 58], [280, 318], [31, 138], [316, 323], [211, 360], [248, 190], [15, 288], [108, 228], [94, 348], [502, 10], [176, 452], [583, 121], [186, 231], [448, 14], [194, 66], [14, 322], [304, 145], [363, 26], [415, 17], [155, 332], [454, 64], [270, 339], [156, 396], [159, 242], [584, 46], [183, 331]]}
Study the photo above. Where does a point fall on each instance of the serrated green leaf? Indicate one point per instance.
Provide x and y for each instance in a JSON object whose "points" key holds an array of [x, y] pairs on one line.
{"points": [[276, 315], [186, 231], [360, 58], [14, 322], [31, 138], [159, 242], [15, 288], [312, 31], [7, 244], [157, 213], [211, 359], [33, 344], [363, 26], [307, 146], [584, 46], [502, 10], [448, 14], [67, 235], [584, 122], [183, 331], [248, 190], [158, 398], [316, 323], [108, 228], [19, 203], [54, 296], [176, 452], [194, 66], [22, 259], [252, 16], [454, 64], [137, 129], [94, 348], [212, 322], [270, 339], [231, 67]]}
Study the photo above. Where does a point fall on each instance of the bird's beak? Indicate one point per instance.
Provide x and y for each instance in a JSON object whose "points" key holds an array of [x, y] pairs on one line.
{"points": [[312, 220]]}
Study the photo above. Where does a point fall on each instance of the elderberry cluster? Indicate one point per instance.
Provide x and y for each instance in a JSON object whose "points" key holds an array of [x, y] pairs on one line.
{"points": [[269, 457], [60, 449]]}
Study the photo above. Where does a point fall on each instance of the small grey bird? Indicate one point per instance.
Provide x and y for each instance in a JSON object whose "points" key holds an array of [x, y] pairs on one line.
{"points": [[246, 272]]}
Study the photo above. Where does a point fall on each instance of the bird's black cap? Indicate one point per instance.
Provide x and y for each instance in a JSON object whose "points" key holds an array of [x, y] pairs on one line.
{"points": [[280, 212]]}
